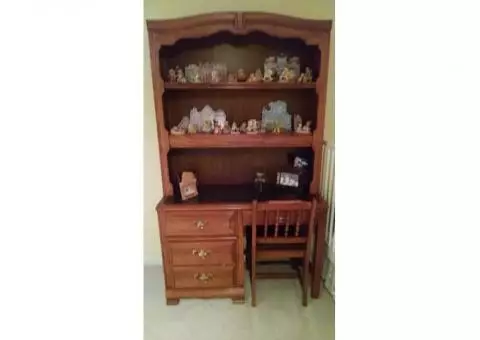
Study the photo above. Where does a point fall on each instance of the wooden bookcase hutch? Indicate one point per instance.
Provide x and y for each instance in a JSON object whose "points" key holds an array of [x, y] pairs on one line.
{"points": [[225, 164]]}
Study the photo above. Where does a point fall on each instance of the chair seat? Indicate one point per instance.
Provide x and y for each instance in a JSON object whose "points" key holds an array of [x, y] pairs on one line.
{"points": [[267, 252]]}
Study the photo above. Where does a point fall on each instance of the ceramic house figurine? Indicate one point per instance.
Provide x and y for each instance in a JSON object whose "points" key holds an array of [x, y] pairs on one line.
{"points": [[192, 129], [207, 127], [234, 130], [172, 77], [181, 127], [188, 186]]}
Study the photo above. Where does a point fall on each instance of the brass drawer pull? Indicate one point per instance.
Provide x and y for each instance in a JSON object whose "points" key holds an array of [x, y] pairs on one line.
{"points": [[200, 224], [202, 253], [204, 277]]}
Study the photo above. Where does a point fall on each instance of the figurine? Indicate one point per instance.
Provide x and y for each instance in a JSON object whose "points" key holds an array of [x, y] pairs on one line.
{"points": [[286, 76], [297, 123], [177, 131], [217, 130], [226, 128], [276, 112], [281, 63], [191, 129], [207, 127], [268, 76], [172, 77], [276, 128], [270, 67], [192, 73], [243, 127], [180, 76], [258, 75], [301, 78], [241, 75], [255, 77], [307, 78], [252, 126], [181, 127], [234, 130], [232, 78], [306, 129]]}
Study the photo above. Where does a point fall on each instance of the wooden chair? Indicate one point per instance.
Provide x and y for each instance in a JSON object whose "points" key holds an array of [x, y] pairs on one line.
{"points": [[284, 232]]}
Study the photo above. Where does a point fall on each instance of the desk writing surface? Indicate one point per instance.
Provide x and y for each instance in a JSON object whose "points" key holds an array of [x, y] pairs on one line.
{"points": [[218, 194]]}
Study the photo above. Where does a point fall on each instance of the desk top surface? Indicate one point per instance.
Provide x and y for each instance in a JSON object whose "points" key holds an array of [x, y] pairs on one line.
{"points": [[232, 196]]}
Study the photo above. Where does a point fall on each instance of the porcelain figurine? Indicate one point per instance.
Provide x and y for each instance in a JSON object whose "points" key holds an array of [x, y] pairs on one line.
{"points": [[258, 75], [180, 76], [255, 77], [217, 130], [234, 130], [286, 76], [172, 77], [243, 127], [294, 65], [281, 63], [276, 128], [241, 75], [297, 123], [270, 67], [207, 127], [226, 128], [251, 78], [306, 129], [301, 78], [177, 131], [196, 119], [192, 73], [252, 126], [192, 129], [275, 113], [308, 77], [219, 118], [268, 76], [232, 78]]}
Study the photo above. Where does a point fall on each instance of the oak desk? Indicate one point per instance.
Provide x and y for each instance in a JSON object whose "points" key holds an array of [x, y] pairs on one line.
{"points": [[203, 242]]}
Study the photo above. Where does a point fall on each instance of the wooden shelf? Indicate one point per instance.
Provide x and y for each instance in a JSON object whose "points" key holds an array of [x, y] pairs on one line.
{"points": [[239, 86], [240, 141]]}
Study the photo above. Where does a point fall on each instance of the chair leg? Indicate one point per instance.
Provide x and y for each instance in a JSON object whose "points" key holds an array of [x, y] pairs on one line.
{"points": [[305, 282], [253, 284]]}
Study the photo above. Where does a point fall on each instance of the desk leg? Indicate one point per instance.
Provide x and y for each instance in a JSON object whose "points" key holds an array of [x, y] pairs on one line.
{"points": [[319, 255]]}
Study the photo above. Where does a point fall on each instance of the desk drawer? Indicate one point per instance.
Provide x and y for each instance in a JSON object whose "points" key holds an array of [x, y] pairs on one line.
{"points": [[203, 277], [200, 223], [202, 253]]}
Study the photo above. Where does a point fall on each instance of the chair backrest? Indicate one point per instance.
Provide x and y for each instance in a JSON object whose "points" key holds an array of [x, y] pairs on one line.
{"points": [[284, 218]]}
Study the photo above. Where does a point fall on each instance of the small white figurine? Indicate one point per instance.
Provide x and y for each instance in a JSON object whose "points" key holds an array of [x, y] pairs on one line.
{"points": [[234, 130], [252, 126], [268, 76], [180, 76]]}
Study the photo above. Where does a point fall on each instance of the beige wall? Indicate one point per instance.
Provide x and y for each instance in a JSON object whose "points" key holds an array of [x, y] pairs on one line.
{"points": [[161, 9]]}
